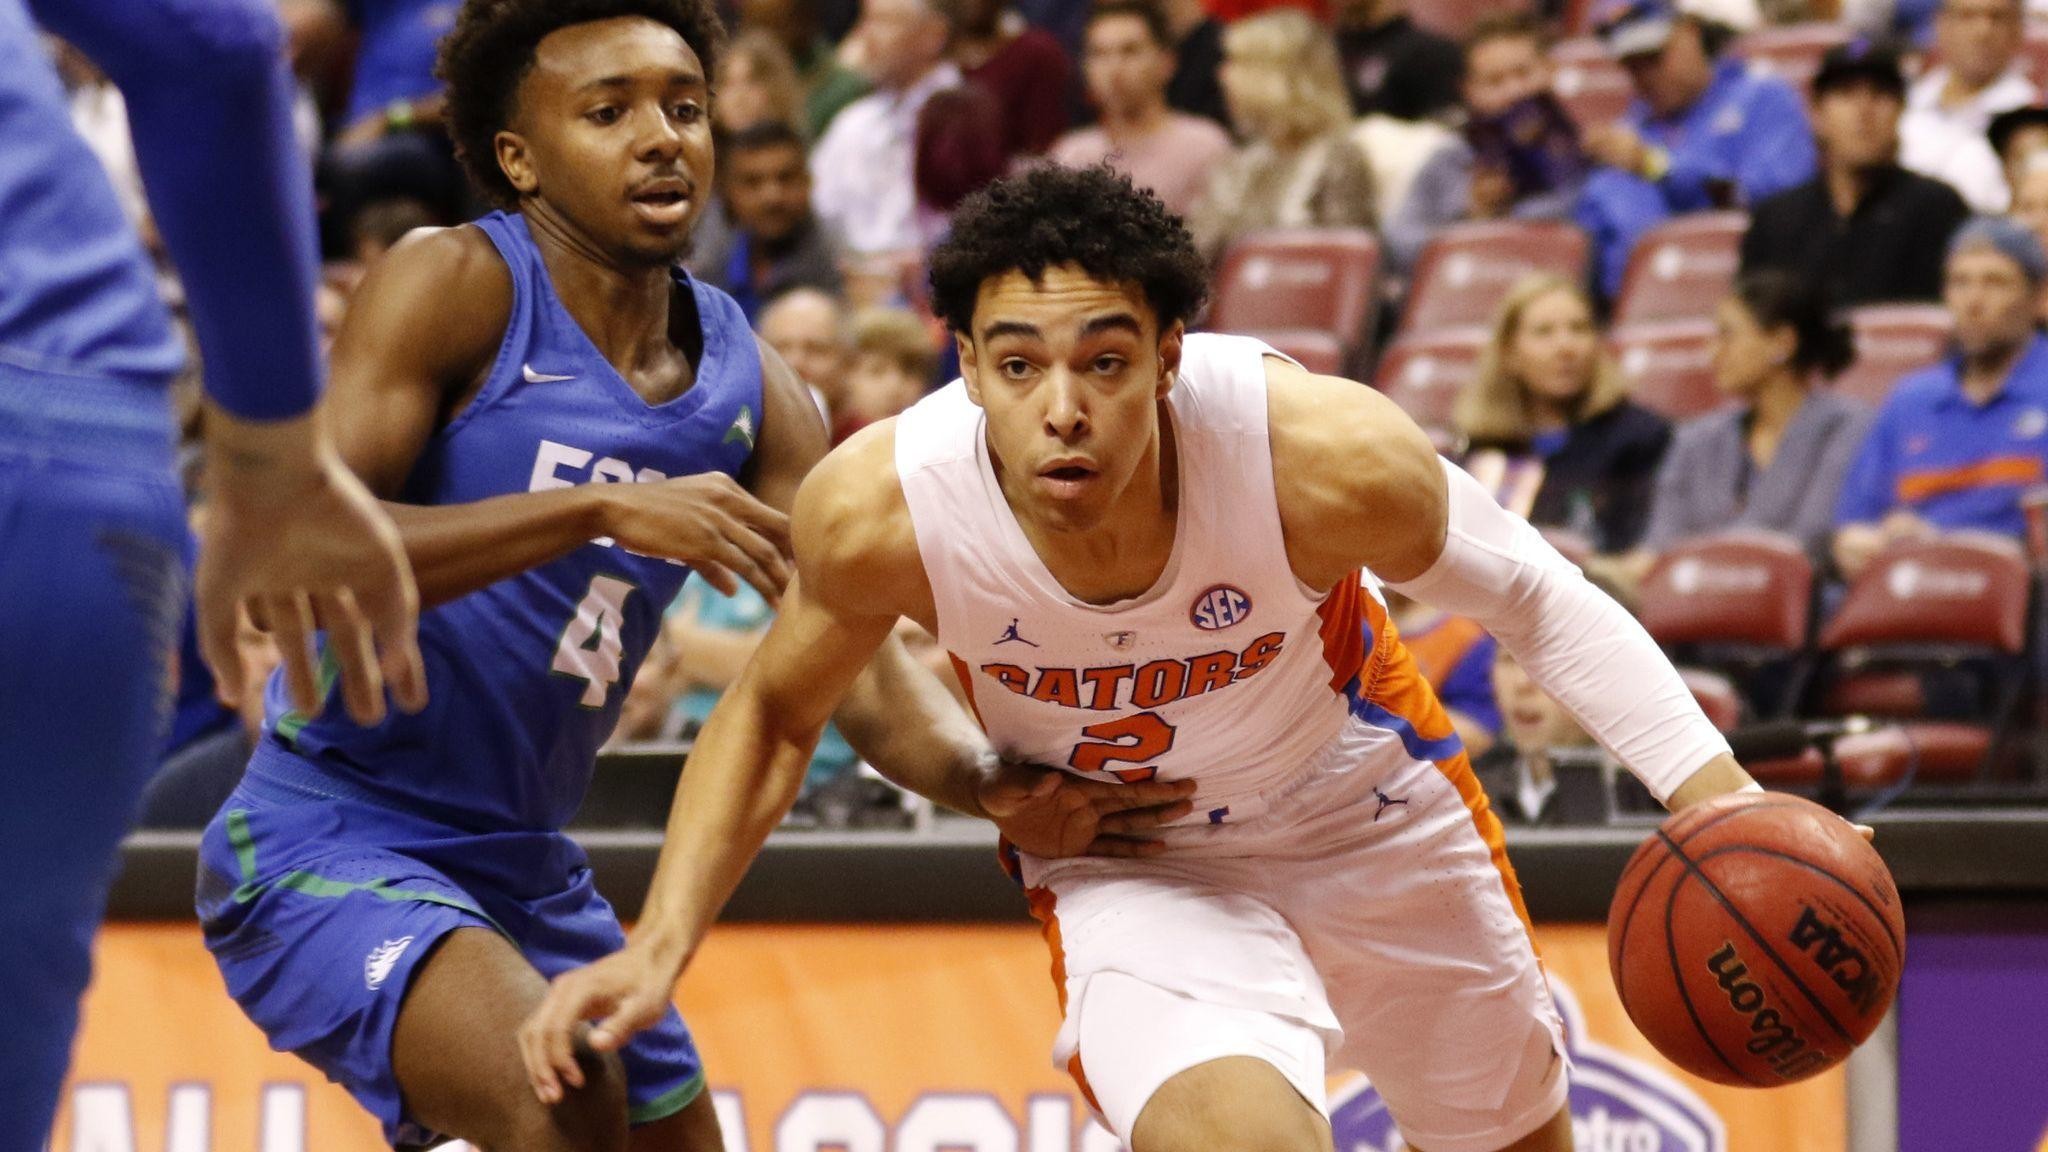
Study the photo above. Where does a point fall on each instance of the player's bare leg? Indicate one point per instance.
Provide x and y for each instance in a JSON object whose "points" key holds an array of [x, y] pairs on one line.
{"points": [[694, 1129], [1238, 1103]]}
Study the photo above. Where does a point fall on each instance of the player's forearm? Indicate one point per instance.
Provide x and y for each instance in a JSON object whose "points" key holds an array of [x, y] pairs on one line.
{"points": [[456, 549], [904, 722]]}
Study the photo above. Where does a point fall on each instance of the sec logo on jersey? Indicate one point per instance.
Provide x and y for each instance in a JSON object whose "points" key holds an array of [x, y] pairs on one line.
{"points": [[1219, 608]]}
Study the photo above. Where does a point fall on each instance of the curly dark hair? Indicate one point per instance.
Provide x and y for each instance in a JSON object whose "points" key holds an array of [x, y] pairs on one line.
{"points": [[486, 56], [1047, 216]]}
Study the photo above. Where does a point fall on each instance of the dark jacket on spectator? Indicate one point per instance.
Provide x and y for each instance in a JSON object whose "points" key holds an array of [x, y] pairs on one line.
{"points": [[1028, 76], [1599, 482], [811, 261], [1577, 798], [1891, 247], [1400, 69], [1708, 482], [1195, 87]]}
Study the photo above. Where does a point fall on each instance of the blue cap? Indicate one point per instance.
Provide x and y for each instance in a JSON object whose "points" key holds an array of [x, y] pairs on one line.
{"points": [[1635, 27], [2009, 238]]}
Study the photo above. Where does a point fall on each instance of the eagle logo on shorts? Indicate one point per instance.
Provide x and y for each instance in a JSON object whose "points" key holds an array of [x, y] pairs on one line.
{"points": [[378, 964], [1219, 608]]}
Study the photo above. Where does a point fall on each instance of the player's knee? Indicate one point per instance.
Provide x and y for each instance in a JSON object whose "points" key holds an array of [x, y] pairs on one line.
{"points": [[1239, 1104]]}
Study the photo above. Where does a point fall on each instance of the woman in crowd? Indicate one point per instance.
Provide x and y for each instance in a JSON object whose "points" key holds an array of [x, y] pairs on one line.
{"points": [[757, 84], [1548, 424], [1298, 166]]}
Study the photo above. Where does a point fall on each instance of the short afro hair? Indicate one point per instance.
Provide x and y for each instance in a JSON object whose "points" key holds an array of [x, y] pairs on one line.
{"points": [[1047, 216], [488, 53]]}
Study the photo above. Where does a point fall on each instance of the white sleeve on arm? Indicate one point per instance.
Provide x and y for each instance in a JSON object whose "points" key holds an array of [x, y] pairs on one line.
{"points": [[1575, 641]]}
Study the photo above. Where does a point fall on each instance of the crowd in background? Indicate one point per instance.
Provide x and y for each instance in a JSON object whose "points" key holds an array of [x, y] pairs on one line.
{"points": [[1909, 166]]}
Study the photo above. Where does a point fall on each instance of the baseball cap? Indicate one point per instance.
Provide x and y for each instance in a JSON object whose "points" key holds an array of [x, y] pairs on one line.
{"points": [[1635, 27], [2008, 122], [1872, 60]]}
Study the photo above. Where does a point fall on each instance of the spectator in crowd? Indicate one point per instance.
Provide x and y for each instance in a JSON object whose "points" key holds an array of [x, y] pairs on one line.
{"points": [[1393, 66], [808, 329], [2015, 136], [1776, 461], [1520, 154], [774, 242], [1868, 229], [1023, 68], [1128, 59], [1545, 769], [2030, 197], [863, 168], [1549, 426], [1455, 655], [959, 149], [1197, 84], [893, 365], [381, 225], [1956, 444], [756, 84], [1705, 131], [827, 85], [1298, 166], [1949, 109], [1911, 21]]}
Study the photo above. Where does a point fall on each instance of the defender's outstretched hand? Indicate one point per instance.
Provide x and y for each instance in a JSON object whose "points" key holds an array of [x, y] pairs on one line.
{"points": [[1051, 813], [626, 992]]}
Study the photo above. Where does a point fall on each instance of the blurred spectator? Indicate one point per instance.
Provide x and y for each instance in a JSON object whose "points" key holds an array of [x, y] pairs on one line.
{"points": [[2015, 136], [1949, 110], [1549, 426], [1298, 166], [1128, 61], [383, 224], [1023, 68], [1910, 20], [827, 85], [1455, 655], [774, 242], [1545, 770], [1520, 154], [893, 364], [1777, 461], [809, 330], [1957, 444], [862, 170], [1393, 66], [756, 84], [959, 149], [2030, 197], [1868, 229], [1197, 84], [1705, 131]]}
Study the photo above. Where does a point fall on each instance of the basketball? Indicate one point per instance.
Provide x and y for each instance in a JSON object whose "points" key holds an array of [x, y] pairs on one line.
{"points": [[1756, 939]]}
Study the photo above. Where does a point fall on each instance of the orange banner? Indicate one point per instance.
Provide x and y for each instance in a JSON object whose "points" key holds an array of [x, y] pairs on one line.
{"points": [[906, 1038]]}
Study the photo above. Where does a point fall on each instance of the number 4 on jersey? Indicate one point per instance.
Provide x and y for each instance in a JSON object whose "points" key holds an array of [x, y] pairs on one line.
{"points": [[590, 645]]}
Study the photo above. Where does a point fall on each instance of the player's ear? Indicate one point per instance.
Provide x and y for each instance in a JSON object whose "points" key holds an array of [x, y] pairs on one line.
{"points": [[969, 370], [515, 162], [1169, 356]]}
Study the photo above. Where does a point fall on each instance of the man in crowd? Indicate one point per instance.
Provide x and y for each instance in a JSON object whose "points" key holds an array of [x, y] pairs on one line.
{"points": [[1129, 61], [1871, 230], [1392, 65], [1705, 131], [809, 329], [775, 243], [1520, 155], [1958, 443], [1949, 109]]}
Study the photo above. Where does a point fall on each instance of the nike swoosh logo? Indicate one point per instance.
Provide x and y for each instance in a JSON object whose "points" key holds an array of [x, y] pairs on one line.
{"points": [[533, 377]]}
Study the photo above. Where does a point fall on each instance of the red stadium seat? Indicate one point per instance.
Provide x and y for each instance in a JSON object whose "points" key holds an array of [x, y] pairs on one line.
{"points": [[1792, 52], [1323, 279], [1892, 340], [1425, 372], [1738, 602], [1930, 750], [1318, 351], [1680, 269], [1716, 696], [1669, 366], [1948, 603], [1591, 86], [1466, 269]]}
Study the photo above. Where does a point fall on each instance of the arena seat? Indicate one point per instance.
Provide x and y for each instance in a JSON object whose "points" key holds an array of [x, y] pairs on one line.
{"points": [[1669, 366], [1680, 269], [1291, 279], [1317, 350], [1465, 269], [1892, 340], [1425, 372], [1739, 603]]}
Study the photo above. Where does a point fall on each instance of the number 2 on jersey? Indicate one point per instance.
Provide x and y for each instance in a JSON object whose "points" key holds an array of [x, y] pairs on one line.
{"points": [[591, 643], [1127, 739]]}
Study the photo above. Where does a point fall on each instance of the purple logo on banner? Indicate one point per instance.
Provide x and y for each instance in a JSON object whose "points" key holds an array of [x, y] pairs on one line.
{"points": [[1619, 1103]]}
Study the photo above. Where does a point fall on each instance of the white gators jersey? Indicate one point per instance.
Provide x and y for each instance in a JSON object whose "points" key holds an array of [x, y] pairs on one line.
{"points": [[1228, 670]]}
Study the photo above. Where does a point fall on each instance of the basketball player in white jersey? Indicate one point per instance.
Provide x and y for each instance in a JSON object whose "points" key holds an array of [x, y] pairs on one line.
{"points": [[1157, 555]]}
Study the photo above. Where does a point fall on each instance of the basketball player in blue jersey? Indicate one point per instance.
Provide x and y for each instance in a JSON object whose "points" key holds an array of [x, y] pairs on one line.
{"points": [[91, 518], [561, 420]]}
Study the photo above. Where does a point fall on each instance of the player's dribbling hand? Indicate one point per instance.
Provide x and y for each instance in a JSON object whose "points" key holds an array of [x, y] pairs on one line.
{"points": [[708, 522], [626, 993], [290, 532], [1053, 814]]}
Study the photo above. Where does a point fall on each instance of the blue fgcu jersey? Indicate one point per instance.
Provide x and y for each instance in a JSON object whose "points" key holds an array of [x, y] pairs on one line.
{"points": [[527, 675]]}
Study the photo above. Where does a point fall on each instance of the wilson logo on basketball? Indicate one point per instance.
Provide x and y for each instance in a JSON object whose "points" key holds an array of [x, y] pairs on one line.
{"points": [[1773, 1038], [1219, 608], [1844, 963]]}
